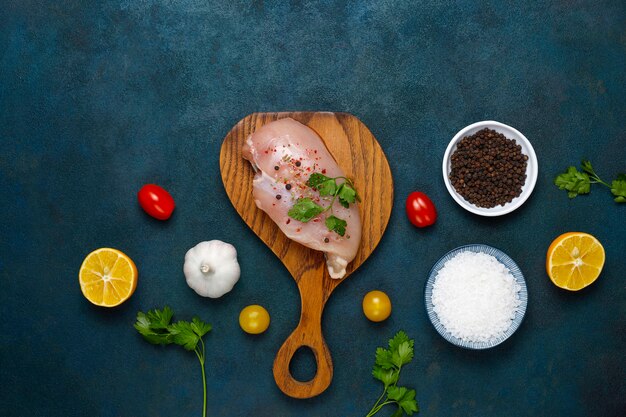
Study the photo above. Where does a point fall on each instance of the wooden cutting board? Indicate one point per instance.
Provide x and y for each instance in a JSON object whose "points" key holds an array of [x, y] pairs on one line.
{"points": [[361, 158]]}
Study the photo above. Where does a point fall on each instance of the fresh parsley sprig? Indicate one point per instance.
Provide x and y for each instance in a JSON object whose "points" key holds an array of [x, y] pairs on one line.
{"points": [[306, 209], [577, 182], [389, 363], [574, 182], [618, 188], [327, 186], [156, 328]]}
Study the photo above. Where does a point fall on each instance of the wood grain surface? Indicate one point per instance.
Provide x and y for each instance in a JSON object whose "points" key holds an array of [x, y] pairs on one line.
{"points": [[361, 158]]}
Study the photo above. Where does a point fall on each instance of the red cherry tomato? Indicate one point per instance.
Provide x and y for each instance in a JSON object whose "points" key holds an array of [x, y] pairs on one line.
{"points": [[420, 209], [155, 201]]}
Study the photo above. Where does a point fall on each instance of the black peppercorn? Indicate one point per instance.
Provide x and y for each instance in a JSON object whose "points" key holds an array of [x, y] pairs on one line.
{"points": [[276, 167], [298, 163], [488, 169], [288, 187], [278, 196]]}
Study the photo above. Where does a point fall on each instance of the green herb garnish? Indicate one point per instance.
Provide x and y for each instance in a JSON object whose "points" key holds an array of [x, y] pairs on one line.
{"points": [[574, 182], [327, 186], [346, 194], [336, 225], [324, 185], [389, 362], [577, 182], [156, 328], [618, 188], [306, 209]]}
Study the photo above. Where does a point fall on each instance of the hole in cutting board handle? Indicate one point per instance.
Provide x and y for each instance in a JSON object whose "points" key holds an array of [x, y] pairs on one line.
{"points": [[313, 349], [303, 366]]}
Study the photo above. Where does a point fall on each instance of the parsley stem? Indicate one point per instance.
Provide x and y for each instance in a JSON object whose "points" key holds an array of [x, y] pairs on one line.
{"points": [[593, 176], [332, 203], [347, 180], [599, 181], [204, 387], [376, 408], [379, 407], [382, 405], [376, 403], [200, 356]]}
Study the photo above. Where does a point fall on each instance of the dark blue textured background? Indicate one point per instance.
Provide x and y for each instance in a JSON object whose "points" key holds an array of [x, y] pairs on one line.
{"points": [[100, 97]]}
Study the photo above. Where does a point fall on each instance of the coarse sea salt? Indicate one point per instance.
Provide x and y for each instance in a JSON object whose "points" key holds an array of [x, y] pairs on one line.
{"points": [[475, 297]]}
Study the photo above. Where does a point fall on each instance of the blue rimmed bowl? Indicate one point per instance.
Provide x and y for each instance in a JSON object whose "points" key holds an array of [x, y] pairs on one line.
{"points": [[504, 259]]}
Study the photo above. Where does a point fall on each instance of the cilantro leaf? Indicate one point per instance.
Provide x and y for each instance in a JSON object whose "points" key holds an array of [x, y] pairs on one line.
{"points": [[618, 188], [304, 210], [404, 397], [383, 358], [408, 403], [153, 325], [586, 166], [342, 201], [160, 319], [378, 373], [183, 335], [390, 377], [323, 184], [316, 179], [155, 335], [398, 412], [336, 225], [199, 327], [403, 355], [327, 188], [574, 182], [346, 194], [396, 393], [143, 323], [386, 376], [398, 339]]}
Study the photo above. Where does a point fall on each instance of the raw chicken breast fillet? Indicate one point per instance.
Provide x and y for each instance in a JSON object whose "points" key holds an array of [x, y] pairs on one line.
{"points": [[284, 154]]}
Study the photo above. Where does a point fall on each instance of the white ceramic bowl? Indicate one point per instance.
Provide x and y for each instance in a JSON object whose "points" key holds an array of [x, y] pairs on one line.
{"points": [[532, 168]]}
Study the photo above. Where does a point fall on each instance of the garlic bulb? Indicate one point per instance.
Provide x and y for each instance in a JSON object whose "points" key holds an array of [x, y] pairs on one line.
{"points": [[211, 268]]}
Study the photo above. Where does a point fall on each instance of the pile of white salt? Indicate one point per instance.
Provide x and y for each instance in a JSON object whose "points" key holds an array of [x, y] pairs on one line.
{"points": [[475, 297]]}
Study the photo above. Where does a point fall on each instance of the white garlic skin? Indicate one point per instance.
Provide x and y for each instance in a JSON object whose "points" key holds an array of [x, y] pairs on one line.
{"points": [[211, 268]]}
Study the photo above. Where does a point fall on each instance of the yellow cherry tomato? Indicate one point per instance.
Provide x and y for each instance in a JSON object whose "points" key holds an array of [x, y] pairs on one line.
{"points": [[376, 306], [254, 319]]}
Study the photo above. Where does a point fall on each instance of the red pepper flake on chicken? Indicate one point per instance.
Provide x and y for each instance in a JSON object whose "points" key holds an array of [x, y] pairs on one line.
{"points": [[284, 154]]}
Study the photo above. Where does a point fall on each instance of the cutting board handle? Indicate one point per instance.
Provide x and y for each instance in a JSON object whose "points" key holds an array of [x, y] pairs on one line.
{"points": [[309, 334]]}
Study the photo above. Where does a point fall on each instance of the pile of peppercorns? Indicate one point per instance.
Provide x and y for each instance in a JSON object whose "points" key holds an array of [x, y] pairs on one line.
{"points": [[488, 169]]}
